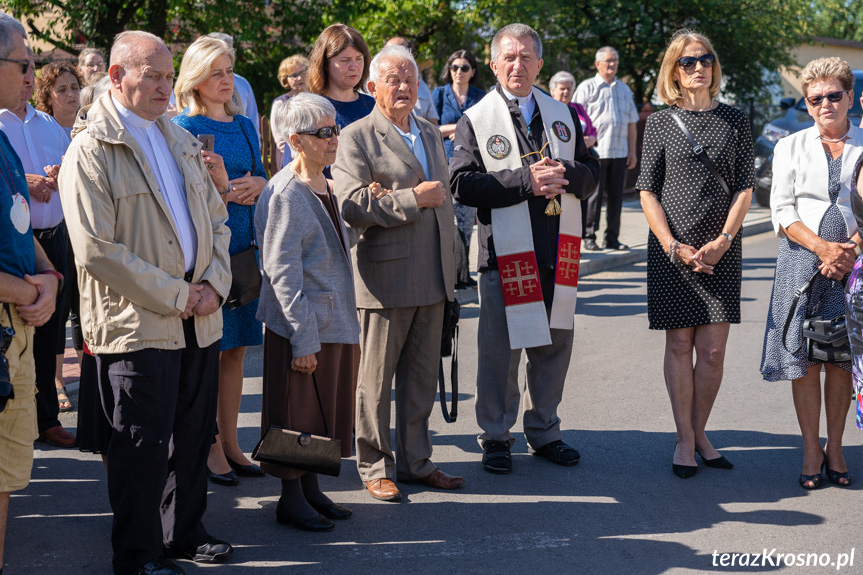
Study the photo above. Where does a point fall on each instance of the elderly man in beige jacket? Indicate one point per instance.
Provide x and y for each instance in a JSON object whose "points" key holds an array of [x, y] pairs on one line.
{"points": [[151, 248], [404, 270]]}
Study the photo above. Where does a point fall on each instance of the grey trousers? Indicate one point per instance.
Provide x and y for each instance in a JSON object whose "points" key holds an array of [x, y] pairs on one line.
{"points": [[497, 388], [405, 343]]}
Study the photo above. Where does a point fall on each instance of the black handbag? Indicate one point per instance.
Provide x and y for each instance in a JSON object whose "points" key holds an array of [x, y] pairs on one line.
{"points": [[449, 347], [7, 334], [826, 339], [299, 450], [245, 273]]}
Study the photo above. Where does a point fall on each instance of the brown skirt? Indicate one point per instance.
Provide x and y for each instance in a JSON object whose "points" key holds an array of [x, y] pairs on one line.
{"points": [[289, 399]]}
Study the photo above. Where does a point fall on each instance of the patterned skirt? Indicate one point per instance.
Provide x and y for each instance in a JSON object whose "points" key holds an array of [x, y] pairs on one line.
{"points": [[854, 321]]}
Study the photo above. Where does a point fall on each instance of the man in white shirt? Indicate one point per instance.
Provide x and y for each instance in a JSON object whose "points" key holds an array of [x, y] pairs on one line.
{"points": [[40, 143], [612, 111], [151, 245], [243, 88]]}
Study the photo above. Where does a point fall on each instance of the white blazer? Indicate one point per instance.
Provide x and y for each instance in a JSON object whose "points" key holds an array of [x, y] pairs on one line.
{"points": [[800, 177]]}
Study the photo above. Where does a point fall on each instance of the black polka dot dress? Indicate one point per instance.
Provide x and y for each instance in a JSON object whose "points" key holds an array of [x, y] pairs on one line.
{"points": [[794, 266], [696, 208]]}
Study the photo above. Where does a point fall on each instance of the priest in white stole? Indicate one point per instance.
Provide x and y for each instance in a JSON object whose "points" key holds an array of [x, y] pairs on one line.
{"points": [[520, 158]]}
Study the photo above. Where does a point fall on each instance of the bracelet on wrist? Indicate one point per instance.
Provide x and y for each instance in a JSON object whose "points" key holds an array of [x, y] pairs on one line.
{"points": [[228, 191], [727, 236], [56, 274]]}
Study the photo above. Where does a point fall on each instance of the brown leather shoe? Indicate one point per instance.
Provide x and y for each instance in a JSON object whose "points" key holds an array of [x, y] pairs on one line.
{"points": [[440, 480], [57, 436], [383, 489]]}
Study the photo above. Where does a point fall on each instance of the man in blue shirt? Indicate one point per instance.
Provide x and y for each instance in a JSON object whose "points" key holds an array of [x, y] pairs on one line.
{"points": [[28, 284]]}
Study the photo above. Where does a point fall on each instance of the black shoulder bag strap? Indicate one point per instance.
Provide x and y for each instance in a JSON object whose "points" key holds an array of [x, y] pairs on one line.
{"points": [[699, 151], [450, 415], [254, 242], [797, 294]]}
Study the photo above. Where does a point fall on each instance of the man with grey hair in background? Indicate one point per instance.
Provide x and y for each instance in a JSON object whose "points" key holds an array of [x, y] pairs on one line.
{"points": [[28, 289], [149, 234], [243, 88], [404, 269], [610, 106]]}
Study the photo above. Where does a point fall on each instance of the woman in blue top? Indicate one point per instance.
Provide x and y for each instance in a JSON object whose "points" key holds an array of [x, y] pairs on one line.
{"points": [[451, 100], [338, 70], [205, 88]]}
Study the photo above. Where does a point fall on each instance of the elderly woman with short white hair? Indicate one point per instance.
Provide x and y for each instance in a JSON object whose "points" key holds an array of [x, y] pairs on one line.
{"points": [[308, 306]]}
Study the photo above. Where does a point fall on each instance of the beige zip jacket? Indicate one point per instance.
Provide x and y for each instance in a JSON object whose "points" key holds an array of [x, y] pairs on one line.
{"points": [[127, 251]]}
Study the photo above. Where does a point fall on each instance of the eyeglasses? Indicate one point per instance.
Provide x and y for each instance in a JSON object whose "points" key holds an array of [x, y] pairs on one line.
{"points": [[324, 133], [464, 68], [25, 64], [688, 62], [297, 75], [834, 97]]}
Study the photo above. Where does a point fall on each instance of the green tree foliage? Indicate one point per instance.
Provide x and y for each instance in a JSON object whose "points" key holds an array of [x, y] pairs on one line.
{"points": [[838, 19]]}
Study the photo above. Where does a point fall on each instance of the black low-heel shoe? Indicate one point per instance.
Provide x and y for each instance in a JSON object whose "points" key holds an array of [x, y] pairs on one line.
{"points": [[816, 479], [684, 471], [717, 462], [332, 510], [317, 524], [228, 479], [251, 470], [836, 477]]}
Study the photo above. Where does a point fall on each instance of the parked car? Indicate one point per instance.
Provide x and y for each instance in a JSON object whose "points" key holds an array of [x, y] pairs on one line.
{"points": [[796, 118]]}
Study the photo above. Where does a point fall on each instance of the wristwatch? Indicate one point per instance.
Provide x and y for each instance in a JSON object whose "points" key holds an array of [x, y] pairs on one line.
{"points": [[729, 237], [57, 275]]}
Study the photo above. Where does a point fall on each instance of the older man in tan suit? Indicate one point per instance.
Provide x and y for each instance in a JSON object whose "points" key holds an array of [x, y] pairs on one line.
{"points": [[392, 181]]}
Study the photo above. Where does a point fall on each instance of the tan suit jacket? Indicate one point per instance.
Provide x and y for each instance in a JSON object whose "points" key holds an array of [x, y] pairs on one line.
{"points": [[405, 256]]}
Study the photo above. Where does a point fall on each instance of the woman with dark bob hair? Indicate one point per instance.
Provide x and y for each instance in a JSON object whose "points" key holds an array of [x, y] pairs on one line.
{"points": [[694, 257], [338, 69], [457, 94], [58, 93]]}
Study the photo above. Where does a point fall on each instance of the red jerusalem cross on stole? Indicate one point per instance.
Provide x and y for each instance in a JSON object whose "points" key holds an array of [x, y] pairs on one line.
{"points": [[519, 278], [568, 260]]}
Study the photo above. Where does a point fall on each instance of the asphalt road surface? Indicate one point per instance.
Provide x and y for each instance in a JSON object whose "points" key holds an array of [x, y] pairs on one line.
{"points": [[621, 510]]}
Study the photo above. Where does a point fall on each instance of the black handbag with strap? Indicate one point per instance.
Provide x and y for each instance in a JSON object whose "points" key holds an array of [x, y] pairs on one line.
{"points": [[449, 346], [827, 339], [246, 278], [699, 151], [288, 448]]}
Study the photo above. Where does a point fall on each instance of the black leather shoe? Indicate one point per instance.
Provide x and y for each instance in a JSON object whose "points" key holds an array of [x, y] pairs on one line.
{"points": [[332, 510], [160, 566], [615, 246], [318, 524], [251, 470], [684, 471], [559, 452], [590, 245], [496, 457], [228, 479], [717, 462], [210, 551]]}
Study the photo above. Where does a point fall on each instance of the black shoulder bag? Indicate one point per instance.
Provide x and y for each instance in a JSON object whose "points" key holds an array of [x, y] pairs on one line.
{"points": [[699, 151], [299, 450], [7, 334], [245, 273], [827, 339], [449, 346]]}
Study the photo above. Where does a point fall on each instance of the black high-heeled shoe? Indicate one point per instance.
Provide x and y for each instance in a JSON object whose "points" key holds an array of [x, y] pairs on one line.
{"points": [[683, 471], [816, 479], [836, 477], [251, 470], [717, 462]]}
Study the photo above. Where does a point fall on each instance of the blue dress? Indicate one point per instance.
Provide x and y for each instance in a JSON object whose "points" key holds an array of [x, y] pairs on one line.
{"points": [[349, 112], [237, 143], [449, 110]]}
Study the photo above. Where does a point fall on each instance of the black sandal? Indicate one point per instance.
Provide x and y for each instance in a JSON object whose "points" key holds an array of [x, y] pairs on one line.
{"points": [[816, 479], [836, 477]]}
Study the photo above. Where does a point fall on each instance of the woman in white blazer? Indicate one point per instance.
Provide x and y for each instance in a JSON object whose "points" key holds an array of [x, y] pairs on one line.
{"points": [[810, 204]]}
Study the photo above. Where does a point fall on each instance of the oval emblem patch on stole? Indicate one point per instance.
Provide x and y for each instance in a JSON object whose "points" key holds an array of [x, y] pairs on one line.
{"points": [[561, 130], [498, 147]]}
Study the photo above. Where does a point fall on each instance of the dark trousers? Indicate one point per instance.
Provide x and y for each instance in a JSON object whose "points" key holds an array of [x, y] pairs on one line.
{"points": [[612, 177], [71, 308], [162, 408], [45, 336]]}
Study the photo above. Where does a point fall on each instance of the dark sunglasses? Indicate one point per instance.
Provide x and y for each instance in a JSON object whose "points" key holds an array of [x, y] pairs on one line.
{"points": [[324, 133], [25, 64], [834, 97], [464, 68], [688, 62]]}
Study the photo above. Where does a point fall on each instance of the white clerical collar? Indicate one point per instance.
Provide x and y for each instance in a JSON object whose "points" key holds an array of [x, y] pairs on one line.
{"points": [[131, 117], [523, 102]]}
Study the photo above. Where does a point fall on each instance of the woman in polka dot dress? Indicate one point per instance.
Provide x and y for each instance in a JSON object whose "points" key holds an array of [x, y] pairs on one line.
{"points": [[694, 256], [812, 173]]}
